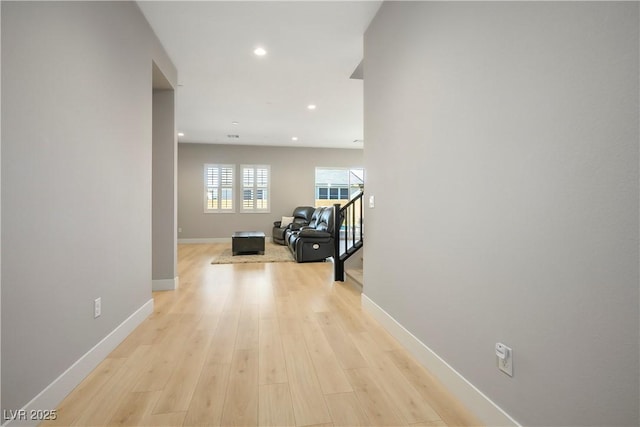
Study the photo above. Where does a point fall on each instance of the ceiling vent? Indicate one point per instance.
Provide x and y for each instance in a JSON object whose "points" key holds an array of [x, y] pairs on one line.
{"points": [[233, 136]]}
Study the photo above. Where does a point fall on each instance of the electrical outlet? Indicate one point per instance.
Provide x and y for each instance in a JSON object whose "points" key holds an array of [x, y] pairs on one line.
{"points": [[504, 359], [97, 307], [179, 229]]}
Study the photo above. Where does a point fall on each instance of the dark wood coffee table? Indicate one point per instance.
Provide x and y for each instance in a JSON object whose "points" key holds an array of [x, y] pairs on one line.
{"points": [[247, 242]]}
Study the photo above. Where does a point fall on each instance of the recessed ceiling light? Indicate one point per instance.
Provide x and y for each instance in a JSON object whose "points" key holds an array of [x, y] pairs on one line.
{"points": [[311, 106], [180, 134], [235, 123], [294, 138], [260, 51]]}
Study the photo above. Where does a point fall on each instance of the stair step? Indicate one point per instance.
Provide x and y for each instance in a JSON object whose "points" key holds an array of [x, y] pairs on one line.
{"points": [[355, 277], [352, 249]]}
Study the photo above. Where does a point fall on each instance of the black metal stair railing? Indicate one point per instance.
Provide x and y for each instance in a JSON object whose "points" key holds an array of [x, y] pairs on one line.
{"points": [[348, 233]]}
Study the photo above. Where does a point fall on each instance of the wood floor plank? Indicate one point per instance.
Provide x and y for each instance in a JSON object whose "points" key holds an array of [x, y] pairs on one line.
{"points": [[330, 374], [217, 298], [409, 403], [75, 404], [143, 335], [450, 410], [438, 423], [207, 402], [185, 303], [279, 283], [306, 393], [313, 300], [349, 316], [268, 309], [275, 407], [224, 339], [248, 327], [160, 366], [173, 419], [346, 352], [272, 366], [163, 301], [346, 411], [105, 402], [176, 395], [241, 402], [259, 344], [233, 301], [134, 407], [286, 307], [374, 402], [208, 322], [288, 317], [384, 340]]}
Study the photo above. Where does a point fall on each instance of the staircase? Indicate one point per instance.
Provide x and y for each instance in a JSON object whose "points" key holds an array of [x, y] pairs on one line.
{"points": [[354, 277], [348, 229]]}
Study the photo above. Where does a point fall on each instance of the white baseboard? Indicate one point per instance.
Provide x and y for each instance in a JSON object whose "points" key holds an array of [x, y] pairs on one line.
{"points": [[165, 284], [54, 393], [472, 398], [212, 240], [206, 240]]}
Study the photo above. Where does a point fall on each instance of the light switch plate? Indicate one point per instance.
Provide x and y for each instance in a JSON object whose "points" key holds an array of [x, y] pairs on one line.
{"points": [[505, 364], [97, 307]]}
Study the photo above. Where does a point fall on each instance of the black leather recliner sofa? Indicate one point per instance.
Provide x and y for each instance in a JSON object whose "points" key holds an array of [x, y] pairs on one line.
{"points": [[301, 217], [314, 241]]}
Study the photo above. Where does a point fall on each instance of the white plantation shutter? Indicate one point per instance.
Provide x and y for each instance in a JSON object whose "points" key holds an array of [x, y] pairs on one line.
{"points": [[218, 188], [255, 188]]}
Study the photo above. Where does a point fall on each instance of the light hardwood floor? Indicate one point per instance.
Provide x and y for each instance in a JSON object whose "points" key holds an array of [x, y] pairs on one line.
{"points": [[276, 344]]}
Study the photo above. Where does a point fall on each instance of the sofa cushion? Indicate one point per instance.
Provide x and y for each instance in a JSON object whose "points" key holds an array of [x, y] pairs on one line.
{"points": [[300, 217], [302, 214], [315, 217], [325, 220], [286, 220]]}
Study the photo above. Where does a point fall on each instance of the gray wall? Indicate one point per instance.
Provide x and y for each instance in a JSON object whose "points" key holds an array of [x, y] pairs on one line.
{"points": [[512, 128], [165, 161], [76, 181], [292, 184]]}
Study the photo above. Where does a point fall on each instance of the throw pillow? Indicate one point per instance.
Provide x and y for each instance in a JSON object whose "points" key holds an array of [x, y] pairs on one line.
{"points": [[286, 220]]}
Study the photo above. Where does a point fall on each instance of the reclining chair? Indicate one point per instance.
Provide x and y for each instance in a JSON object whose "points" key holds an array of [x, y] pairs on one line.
{"points": [[301, 217], [313, 242]]}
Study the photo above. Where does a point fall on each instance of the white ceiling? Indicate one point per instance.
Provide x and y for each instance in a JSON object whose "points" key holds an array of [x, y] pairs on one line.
{"points": [[313, 48]]}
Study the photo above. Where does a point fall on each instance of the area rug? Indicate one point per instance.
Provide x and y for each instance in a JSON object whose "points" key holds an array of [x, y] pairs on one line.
{"points": [[272, 253]]}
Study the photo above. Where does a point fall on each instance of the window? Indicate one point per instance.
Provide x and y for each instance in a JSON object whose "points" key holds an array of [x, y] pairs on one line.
{"points": [[255, 188], [219, 188], [332, 193], [337, 185]]}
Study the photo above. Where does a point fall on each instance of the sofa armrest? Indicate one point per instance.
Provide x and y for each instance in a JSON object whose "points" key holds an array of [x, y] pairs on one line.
{"points": [[312, 232]]}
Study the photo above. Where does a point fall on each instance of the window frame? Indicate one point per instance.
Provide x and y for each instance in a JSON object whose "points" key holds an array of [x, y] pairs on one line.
{"points": [[341, 191], [255, 188], [349, 186], [220, 187]]}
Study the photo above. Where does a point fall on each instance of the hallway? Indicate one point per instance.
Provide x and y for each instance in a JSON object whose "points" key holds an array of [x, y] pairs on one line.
{"points": [[259, 344]]}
